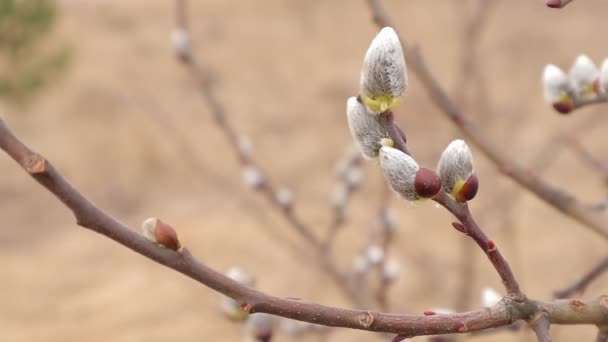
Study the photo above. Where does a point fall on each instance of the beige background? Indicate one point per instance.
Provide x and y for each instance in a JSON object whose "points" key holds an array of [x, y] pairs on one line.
{"points": [[285, 69]]}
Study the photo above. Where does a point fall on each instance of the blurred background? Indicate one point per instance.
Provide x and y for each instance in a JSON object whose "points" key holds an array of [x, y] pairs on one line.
{"points": [[95, 87]]}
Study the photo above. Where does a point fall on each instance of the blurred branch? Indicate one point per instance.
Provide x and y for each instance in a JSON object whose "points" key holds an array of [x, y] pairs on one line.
{"points": [[349, 174], [541, 325], [558, 198], [602, 334], [89, 216], [580, 285], [203, 78]]}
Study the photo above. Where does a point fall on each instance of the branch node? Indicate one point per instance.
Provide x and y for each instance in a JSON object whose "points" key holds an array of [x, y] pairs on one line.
{"points": [[34, 164], [577, 305], [491, 246], [366, 319], [247, 308]]}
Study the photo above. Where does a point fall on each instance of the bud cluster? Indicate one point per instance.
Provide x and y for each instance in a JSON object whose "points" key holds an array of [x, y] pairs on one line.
{"points": [[454, 175], [383, 81], [584, 82]]}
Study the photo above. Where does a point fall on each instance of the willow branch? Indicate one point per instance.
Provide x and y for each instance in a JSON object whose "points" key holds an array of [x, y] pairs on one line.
{"points": [[602, 334], [558, 198], [541, 325], [581, 284]]}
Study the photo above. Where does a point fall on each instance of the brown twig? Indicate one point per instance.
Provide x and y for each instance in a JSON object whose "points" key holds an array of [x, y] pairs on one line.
{"points": [[602, 334], [89, 216], [580, 285], [541, 325], [557, 198]]}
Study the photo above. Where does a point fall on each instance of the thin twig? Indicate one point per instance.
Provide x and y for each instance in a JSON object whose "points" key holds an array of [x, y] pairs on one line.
{"points": [[581, 285], [203, 78], [541, 325], [557, 198], [349, 174]]}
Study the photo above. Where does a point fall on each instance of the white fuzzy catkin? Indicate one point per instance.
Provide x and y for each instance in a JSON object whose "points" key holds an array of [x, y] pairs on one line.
{"points": [[284, 197], [148, 229], [582, 75], [353, 176], [555, 83], [391, 270], [456, 163], [259, 324], [604, 76], [365, 128], [374, 254], [400, 172], [489, 297], [181, 42], [239, 276], [252, 176], [384, 70]]}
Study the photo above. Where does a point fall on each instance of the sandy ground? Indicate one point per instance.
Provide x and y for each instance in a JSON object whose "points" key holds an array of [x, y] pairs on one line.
{"points": [[284, 70]]}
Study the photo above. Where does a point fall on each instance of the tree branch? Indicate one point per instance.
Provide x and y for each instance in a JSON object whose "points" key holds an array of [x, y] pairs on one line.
{"points": [[580, 285], [541, 325], [89, 216], [557, 198]]}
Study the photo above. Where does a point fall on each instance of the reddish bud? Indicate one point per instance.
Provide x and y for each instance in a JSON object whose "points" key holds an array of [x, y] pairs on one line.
{"points": [[554, 3], [563, 107], [399, 338], [463, 329], [427, 183], [468, 190], [491, 246], [459, 227], [429, 313], [161, 233]]}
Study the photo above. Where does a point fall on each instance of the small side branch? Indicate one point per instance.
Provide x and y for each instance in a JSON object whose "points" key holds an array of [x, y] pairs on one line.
{"points": [[541, 325], [580, 285]]}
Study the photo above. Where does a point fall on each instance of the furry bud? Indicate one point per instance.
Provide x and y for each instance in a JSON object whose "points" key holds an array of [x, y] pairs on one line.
{"points": [[383, 77], [489, 297], [229, 306], [284, 198], [181, 42], [253, 177], [557, 90], [391, 270], [583, 77], [259, 327], [160, 233], [374, 254], [365, 128], [456, 171], [400, 171], [604, 76]]}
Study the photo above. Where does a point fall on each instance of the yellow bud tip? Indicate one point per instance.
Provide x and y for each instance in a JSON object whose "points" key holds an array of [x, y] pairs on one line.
{"points": [[381, 103], [457, 187], [589, 91], [387, 142]]}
